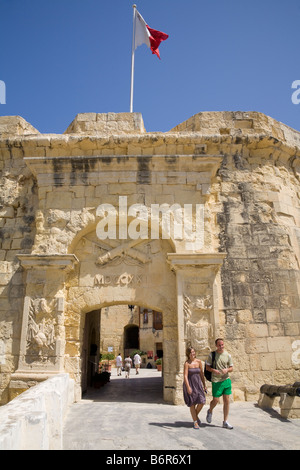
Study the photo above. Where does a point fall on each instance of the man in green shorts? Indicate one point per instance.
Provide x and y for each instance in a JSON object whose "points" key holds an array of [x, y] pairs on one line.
{"points": [[221, 383]]}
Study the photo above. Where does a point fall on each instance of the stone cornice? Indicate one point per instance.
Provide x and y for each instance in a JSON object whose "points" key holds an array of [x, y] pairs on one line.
{"points": [[88, 169], [184, 260], [29, 261], [62, 146]]}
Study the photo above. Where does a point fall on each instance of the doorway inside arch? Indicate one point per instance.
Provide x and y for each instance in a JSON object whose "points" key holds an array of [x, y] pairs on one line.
{"points": [[124, 329], [129, 328], [131, 339], [90, 349]]}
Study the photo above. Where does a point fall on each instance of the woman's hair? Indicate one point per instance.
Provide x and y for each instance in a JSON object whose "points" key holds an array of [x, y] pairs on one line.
{"points": [[188, 351]]}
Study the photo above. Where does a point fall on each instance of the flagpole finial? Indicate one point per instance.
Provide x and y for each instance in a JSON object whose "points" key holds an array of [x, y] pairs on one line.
{"points": [[134, 5]]}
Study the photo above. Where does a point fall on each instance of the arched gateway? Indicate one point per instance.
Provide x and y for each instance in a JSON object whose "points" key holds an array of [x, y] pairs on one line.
{"points": [[139, 276], [62, 289], [200, 224]]}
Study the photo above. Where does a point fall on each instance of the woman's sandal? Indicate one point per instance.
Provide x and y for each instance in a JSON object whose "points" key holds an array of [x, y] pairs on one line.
{"points": [[196, 425]]}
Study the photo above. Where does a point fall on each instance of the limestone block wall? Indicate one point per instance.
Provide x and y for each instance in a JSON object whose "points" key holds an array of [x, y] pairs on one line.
{"points": [[242, 284], [18, 204], [113, 321], [259, 224]]}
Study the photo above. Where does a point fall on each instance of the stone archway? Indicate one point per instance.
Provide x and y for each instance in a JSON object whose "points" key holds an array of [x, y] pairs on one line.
{"points": [[62, 289], [137, 276]]}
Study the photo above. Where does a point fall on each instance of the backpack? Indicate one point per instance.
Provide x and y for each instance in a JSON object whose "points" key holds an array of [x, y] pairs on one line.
{"points": [[207, 373]]}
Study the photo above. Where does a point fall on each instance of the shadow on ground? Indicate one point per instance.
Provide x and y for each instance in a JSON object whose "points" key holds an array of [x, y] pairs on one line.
{"points": [[134, 390]]}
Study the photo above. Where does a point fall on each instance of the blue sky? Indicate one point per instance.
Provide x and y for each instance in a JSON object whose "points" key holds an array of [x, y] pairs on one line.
{"points": [[59, 58]]}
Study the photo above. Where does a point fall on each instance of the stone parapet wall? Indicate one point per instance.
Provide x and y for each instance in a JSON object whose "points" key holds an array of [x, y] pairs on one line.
{"points": [[239, 123], [108, 123], [34, 420]]}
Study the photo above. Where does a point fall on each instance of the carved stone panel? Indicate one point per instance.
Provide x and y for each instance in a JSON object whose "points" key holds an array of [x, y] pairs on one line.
{"points": [[198, 323], [41, 335], [198, 309], [43, 332]]}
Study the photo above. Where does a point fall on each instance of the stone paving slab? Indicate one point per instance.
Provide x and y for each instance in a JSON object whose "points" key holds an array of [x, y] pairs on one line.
{"points": [[129, 414]]}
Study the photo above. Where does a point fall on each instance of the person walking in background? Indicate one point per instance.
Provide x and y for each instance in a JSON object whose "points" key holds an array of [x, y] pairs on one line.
{"points": [[137, 362], [194, 385], [119, 363], [221, 383], [128, 363]]}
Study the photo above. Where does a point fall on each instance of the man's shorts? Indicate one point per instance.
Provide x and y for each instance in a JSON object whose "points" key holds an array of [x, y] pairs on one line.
{"points": [[221, 388]]}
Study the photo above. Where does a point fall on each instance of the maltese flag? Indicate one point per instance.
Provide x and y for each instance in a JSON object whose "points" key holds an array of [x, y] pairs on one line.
{"points": [[146, 35]]}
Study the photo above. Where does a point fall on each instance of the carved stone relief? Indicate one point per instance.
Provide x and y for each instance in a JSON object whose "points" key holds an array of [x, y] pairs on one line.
{"points": [[116, 262], [40, 337], [197, 316], [115, 252]]}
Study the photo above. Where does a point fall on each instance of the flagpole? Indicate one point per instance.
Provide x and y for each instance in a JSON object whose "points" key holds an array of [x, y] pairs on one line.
{"points": [[132, 59]]}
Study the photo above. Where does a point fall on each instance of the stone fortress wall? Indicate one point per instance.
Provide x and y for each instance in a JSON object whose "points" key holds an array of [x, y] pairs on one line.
{"points": [[242, 283]]}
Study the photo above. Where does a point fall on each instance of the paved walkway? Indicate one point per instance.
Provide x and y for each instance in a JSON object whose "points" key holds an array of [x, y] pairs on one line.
{"points": [[129, 414]]}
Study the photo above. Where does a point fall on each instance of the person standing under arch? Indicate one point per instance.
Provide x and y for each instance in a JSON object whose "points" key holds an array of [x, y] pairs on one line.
{"points": [[137, 363], [128, 363], [119, 363]]}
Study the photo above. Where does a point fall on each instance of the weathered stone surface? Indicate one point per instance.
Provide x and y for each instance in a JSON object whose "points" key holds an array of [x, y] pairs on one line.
{"points": [[15, 125], [240, 282], [34, 420], [107, 124]]}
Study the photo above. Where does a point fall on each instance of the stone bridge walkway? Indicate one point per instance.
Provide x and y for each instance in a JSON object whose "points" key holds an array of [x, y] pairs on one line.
{"points": [[129, 414]]}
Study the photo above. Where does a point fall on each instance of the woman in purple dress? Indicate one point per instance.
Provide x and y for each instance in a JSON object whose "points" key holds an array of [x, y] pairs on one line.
{"points": [[194, 387]]}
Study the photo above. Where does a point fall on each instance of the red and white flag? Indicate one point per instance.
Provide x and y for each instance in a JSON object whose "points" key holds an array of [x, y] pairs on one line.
{"points": [[146, 35]]}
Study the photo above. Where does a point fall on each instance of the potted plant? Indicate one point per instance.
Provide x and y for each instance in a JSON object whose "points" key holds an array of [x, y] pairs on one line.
{"points": [[158, 364], [108, 357]]}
